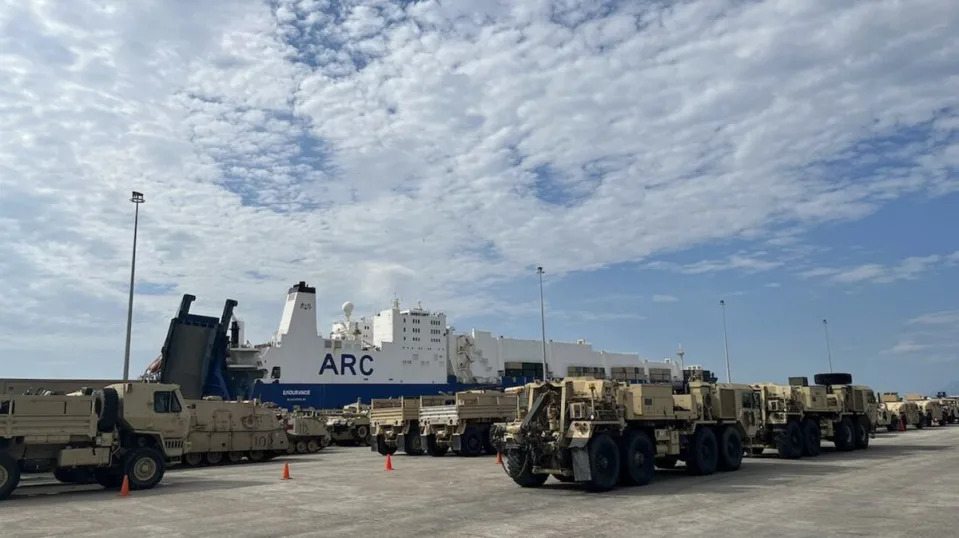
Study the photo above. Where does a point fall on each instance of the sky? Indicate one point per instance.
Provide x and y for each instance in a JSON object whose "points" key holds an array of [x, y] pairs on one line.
{"points": [[798, 160]]}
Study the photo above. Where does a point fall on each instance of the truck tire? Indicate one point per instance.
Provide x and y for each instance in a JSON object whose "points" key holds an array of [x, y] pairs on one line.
{"points": [[106, 403], [812, 438], [413, 443], [789, 441], [471, 443], [520, 469], [312, 446], [193, 459], [604, 463], [861, 440], [703, 454], [301, 447], [433, 449], [636, 463], [488, 447], [929, 419], [833, 379], [845, 435], [382, 448], [665, 462], [145, 467], [730, 449], [213, 458], [9, 474]]}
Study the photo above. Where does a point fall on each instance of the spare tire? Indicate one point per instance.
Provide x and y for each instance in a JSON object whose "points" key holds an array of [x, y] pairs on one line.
{"points": [[833, 379], [107, 406]]}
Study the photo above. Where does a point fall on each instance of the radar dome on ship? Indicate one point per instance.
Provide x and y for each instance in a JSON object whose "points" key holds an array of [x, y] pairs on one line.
{"points": [[348, 308]]}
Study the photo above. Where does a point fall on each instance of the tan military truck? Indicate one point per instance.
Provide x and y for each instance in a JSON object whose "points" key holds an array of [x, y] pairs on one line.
{"points": [[901, 412], [462, 422], [884, 419], [129, 429], [225, 431], [349, 426], [929, 409], [601, 432], [396, 425], [306, 430], [950, 407]]}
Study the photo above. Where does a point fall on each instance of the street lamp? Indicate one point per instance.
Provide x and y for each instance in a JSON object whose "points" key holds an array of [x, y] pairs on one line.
{"points": [[722, 304], [137, 199], [825, 327], [542, 317]]}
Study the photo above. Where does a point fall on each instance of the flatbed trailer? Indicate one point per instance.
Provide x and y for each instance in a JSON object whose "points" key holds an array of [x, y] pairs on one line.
{"points": [[462, 422]]}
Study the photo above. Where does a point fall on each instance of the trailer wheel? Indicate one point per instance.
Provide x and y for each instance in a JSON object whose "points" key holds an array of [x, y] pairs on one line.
{"points": [[106, 403], [665, 462], [789, 442], [812, 438], [845, 437], [520, 469], [433, 449], [312, 446], [9, 475], [703, 453], [604, 463], [145, 467], [730, 449], [213, 458], [636, 468], [193, 459], [471, 443], [862, 433]]}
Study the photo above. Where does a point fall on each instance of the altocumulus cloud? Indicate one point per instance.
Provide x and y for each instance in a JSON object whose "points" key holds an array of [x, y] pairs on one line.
{"points": [[439, 148]]}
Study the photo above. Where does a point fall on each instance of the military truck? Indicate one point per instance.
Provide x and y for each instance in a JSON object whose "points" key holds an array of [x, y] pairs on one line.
{"points": [[224, 431], [950, 407], [601, 432], [306, 430], [901, 412], [462, 422], [395, 425], [130, 430], [930, 409], [349, 426]]}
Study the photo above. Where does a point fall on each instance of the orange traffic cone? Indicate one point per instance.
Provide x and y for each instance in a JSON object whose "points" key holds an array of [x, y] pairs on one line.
{"points": [[389, 463], [125, 488], [286, 471], [902, 424], [499, 458]]}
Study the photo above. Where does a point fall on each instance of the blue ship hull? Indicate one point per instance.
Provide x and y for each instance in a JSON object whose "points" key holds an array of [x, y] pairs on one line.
{"points": [[330, 396]]}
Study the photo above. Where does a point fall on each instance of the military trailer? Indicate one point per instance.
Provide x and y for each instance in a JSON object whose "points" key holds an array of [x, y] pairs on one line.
{"points": [[929, 409], [132, 430], [462, 422], [901, 413], [395, 425], [226, 432], [306, 431], [349, 426], [602, 433]]}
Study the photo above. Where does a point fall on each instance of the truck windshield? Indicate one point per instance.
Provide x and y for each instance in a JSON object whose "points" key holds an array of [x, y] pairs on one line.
{"points": [[166, 402]]}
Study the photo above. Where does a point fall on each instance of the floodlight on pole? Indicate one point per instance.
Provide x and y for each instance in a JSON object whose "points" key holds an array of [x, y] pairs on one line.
{"points": [[137, 199]]}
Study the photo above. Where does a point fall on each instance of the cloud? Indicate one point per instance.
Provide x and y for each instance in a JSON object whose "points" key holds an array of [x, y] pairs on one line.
{"points": [[664, 298], [435, 149], [907, 269], [748, 263], [931, 338], [943, 317]]}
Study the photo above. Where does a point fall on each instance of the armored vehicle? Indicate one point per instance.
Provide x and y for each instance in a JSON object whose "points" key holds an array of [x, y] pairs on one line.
{"points": [[930, 409], [950, 407], [601, 432], [349, 426], [395, 425], [901, 412], [132, 430], [462, 422], [306, 430], [223, 431]]}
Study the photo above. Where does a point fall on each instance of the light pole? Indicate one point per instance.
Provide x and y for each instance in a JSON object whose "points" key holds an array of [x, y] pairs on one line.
{"points": [[722, 304], [825, 327], [137, 199], [542, 318]]}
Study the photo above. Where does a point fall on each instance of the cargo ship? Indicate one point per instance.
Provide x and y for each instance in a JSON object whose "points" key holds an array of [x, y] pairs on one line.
{"points": [[405, 352]]}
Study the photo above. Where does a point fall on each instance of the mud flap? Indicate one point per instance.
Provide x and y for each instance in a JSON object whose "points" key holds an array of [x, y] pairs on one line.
{"points": [[581, 464], [455, 442]]}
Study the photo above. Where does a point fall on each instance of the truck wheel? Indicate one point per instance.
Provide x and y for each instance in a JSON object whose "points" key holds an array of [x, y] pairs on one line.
{"points": [[520, 469], [730, 449], [929, 419], [382, 448], [312, 446], [413, 443], [862, 433], [665, 462], [145, 468], [301, 447], [845, 438], [193, 459], [9, 474], [488, 447], [604, 463], [471, 443], [637, 459], [433, 449], [108, 477], [812, 438], [703, 453], [789, 442], [106, 402], [213, 458]]}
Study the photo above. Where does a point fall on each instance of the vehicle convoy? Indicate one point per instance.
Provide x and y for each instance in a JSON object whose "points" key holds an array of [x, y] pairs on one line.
{"points": [[901, 413], [601, 432], [349, 426], [132, 430], [462, 422], [796, 417], [222, 431], [395, 425], [306, 431], [929, 409]]}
